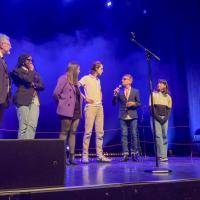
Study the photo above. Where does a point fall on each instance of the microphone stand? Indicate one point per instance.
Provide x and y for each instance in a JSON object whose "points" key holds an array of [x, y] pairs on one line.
{"points": [[143, 130], [149, 55]]}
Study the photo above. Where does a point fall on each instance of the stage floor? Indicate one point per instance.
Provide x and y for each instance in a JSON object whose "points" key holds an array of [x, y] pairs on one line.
{"points": [[116, 172], [104, 175]]}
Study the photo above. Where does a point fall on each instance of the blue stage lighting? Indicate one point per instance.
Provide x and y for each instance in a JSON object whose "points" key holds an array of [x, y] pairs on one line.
{"points": [[145, 12], [68, 1], [109, 3]]}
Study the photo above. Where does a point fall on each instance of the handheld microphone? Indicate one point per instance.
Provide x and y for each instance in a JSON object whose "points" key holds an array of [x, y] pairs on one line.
{"points": [[119, 86], [115, 91]]}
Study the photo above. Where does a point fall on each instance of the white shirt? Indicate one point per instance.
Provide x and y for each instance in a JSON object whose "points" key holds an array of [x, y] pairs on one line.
{"points": [[127, 90], [92, 89], [1, 55]]}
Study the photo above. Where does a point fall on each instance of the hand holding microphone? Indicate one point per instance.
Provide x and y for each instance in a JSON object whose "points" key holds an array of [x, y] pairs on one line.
{"points": [[117, 90]]}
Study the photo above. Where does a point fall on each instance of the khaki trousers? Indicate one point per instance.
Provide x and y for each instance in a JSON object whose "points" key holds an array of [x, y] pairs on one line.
{"points": [[93, 115]]}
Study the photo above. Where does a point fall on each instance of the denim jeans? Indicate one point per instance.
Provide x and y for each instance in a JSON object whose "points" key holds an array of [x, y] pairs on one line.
{"points": [[68, 128], [132, 124], [161, 138], [28, 119]]}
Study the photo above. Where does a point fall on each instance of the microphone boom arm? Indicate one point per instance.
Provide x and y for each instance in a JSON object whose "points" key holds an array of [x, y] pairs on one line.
{"points": [[148, 52]]}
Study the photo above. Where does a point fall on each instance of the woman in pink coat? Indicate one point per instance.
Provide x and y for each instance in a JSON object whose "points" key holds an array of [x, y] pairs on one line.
{"points": [[69, 103]]}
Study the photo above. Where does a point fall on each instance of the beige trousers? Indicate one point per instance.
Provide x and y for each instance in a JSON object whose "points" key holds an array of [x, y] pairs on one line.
{"points": [[93, 115]]}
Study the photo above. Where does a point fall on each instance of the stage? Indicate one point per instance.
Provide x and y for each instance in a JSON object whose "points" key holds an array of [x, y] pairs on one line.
{"points": [[119, 180]]}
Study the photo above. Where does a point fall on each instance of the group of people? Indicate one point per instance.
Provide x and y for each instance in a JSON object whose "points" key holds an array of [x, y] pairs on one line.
{"points": [[69, 98]]}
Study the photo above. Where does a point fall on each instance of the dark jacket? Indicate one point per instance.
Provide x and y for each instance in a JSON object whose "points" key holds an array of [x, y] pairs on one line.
{"points": [[4, 82], [121, 99], [27, 82], [65, 95]]}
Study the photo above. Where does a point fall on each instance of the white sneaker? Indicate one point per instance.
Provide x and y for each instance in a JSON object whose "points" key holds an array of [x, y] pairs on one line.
{"points": [[163, 159], [85, 160], [104, 159]]}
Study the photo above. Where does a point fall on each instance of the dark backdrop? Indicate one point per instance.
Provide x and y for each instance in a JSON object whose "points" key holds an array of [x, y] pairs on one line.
{"points": [[58, 31]]}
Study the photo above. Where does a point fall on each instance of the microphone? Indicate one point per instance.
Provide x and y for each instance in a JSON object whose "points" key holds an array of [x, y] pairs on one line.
{"points": [[115, 91], [119, 86]]}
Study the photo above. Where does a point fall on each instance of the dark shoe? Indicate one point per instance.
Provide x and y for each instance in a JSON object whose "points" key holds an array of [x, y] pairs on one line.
{"points": [[135, 157], [125, 158], [67, 162], [72, 160]]}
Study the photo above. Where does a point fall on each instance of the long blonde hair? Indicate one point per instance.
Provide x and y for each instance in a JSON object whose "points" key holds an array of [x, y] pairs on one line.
{"points": [[72, 73]]}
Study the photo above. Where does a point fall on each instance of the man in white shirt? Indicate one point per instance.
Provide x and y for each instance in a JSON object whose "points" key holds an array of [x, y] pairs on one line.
{"points": [[93, 112]]}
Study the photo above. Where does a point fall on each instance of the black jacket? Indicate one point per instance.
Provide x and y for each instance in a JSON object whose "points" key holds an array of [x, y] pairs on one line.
{"points": [[4, 81], [27, 82], [121, 99]]}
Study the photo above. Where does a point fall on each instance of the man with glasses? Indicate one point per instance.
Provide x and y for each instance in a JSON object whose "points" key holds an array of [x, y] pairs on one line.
{"points": [[128, 99], [5, 85]]}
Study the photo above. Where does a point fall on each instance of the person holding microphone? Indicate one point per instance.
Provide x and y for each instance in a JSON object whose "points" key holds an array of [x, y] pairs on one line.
{"points": [[129, 100]]}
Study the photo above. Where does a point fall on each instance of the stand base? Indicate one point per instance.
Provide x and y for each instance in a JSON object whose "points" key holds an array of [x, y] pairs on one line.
{"points": [[158, 171]]}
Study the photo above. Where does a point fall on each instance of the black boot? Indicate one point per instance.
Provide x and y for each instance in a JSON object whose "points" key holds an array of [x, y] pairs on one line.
{"points": [[72, 159], [67, 162], [135, 157], [67, 156], [125, 158]]}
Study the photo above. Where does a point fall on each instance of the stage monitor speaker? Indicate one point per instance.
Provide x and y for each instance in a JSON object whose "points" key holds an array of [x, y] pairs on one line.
{"points": [[32, 163]]}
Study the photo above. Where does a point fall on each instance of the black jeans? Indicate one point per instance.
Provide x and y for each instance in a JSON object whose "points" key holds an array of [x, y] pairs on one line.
{"points": [[2, 108]]}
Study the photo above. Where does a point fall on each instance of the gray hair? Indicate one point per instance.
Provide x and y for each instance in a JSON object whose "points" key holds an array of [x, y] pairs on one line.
{"points": [[129, 76], [4, 37]]}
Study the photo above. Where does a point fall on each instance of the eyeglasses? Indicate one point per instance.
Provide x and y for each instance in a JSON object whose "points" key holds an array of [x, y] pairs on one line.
{"points": [[29, 59], [125, 78], [7, 43]]}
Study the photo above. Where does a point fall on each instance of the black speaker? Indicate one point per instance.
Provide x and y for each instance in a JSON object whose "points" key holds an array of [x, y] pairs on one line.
{"points": [[32, 163]]}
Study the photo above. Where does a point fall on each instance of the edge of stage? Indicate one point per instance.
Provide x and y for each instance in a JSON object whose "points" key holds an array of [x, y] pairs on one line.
{"points": [[119, 180]]}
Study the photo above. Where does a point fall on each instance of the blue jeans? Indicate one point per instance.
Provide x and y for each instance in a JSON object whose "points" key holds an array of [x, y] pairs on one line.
{"points": [[161, 138], [28, 119], [132, 124]]}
